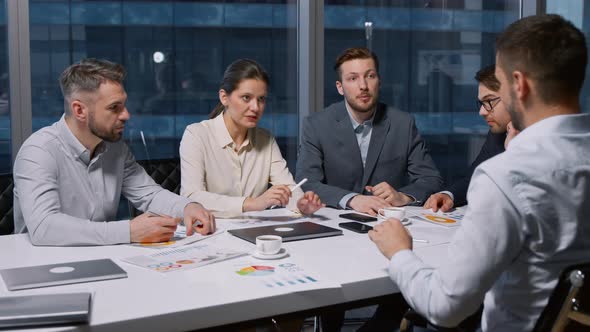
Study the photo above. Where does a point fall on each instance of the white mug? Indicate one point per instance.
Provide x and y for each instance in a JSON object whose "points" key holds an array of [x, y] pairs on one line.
{"points": [[392, 212], [268, 244]]}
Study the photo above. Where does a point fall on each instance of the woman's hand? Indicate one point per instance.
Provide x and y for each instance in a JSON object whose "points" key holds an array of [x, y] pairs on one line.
{"points": [[309, 203], [275, 195]]}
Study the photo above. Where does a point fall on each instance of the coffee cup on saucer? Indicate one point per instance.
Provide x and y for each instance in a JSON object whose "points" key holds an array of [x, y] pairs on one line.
{"points": [[268, 244], [392, 212]]}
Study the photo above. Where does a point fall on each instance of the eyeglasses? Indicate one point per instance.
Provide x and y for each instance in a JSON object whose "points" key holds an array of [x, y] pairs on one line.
{"points": [[489, 104]]}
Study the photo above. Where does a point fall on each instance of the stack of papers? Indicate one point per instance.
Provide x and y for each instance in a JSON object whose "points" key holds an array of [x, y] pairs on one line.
{"points": [[184, 258]]}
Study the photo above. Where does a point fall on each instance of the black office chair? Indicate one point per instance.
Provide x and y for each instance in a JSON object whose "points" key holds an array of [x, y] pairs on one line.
{"points": [[6, 203], [166, 172], [568, 308], [413, 318]]}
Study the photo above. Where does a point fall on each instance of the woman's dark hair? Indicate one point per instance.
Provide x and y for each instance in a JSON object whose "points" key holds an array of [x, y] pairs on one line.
{"points": [[235, 73]]}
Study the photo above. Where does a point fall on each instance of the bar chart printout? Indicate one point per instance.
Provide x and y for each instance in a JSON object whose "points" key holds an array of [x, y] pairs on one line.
{"points": [[280, 276]]}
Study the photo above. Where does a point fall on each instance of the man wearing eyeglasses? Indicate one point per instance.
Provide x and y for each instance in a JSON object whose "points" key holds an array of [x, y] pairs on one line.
{"points": [[494, 113]]}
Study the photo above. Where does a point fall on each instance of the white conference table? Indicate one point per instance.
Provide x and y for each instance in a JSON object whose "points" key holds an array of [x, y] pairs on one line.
{"points": [[199, 298]]}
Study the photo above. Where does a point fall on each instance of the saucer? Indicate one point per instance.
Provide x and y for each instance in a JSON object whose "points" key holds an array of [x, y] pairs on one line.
{"points": [[406, 221], [282, 253]]}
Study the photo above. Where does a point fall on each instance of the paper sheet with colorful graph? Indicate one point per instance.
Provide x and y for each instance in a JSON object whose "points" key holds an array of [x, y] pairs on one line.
{"points": [[284, 276], [184, 258], [447, 219]]}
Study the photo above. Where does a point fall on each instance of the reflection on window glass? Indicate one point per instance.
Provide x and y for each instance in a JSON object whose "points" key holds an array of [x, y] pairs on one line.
{"points": [[175, 53], [5, 147], [429, 52], [578, 12]]}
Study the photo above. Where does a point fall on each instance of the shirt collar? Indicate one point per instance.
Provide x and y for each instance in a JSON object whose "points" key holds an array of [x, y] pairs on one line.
{"points": [[355, 124], [74, 146], [559, 124], [222, 135]]}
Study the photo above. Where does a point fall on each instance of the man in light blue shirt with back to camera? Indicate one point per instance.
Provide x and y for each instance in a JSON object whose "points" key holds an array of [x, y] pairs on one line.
{"points": [[529, 207], [69, 177]]}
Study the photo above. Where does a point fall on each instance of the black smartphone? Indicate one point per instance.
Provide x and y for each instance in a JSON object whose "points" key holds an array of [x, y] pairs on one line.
{"points": [[355, 227], [358, 217]]}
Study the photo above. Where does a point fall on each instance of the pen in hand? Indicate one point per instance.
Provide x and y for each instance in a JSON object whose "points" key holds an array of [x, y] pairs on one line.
{"points": [[295, 187], [195, 224]]}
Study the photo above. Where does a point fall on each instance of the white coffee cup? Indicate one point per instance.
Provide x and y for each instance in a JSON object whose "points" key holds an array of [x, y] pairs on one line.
{"points": [[268, 244], [392, 212]]}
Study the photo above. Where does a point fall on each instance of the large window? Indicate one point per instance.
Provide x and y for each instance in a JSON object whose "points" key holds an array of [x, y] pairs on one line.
{"points": [[5, 148], [429, 52], [578, 12], [175, 53]]}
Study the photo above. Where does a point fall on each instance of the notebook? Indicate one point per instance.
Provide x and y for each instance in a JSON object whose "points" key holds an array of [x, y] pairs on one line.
{"points": [[289, 232], [47, 309], [61, 274]]}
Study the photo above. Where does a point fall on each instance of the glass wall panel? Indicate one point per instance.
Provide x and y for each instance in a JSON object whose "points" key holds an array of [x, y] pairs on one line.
{"points": [[578, 12], [5, 132], [429, 52], [175, 53]]}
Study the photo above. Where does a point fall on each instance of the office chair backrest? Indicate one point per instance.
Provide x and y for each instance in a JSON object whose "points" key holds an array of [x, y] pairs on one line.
{"points": [[6, 202], [568, 308], [166, 173]]}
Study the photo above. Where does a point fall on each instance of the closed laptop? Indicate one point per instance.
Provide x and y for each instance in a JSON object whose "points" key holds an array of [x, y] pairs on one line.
{"points": [[61, 274], [46, 309], [289, 232]]}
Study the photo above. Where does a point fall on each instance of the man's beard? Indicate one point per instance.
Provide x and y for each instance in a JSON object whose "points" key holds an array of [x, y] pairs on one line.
{"points": [[102, 134], [516, 117], [352, 102]]}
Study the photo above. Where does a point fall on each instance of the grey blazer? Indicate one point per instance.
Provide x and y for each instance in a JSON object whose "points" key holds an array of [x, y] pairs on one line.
{"points": [[330, 158]]}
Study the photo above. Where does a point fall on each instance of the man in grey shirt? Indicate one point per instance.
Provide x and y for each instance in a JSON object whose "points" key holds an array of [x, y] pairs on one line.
{"points": [[69, 177]]}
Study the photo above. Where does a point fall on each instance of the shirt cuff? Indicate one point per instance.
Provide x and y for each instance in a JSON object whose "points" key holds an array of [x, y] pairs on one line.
{"points": [[448, 193], [344, 200], [233, 207], [118, 232], [414, 200]]}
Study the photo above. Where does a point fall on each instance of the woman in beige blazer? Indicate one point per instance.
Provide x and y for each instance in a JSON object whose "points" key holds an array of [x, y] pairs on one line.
{"points": [[227, 162]]}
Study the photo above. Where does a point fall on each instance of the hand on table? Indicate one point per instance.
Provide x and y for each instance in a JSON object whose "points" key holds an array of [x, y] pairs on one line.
{"points": [[368, 204], [389, 194], [198, 218], [439, 201], [391, 237], [309, 203], [150, 228], [275, 195]]}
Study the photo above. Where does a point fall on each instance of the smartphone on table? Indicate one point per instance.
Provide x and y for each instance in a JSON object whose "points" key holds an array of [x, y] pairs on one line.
{"points": [[358, 217], [355, 227]]}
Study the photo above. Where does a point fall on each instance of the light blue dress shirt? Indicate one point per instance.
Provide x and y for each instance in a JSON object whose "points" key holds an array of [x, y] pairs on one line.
{"points": [[363, 133], [526, 221]]}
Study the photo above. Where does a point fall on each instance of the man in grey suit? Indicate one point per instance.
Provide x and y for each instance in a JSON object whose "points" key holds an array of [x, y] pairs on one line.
{"points": [[361, 154]]}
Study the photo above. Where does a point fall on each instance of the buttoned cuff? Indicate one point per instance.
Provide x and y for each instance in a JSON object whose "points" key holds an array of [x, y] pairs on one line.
{"points": [[344, 200], [414, 200], [119, 232], [448, 193]]}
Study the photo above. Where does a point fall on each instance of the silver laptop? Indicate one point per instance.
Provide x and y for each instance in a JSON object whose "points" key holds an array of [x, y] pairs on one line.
{"points": [[47, 309], [289, 232], [61, 274]]}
